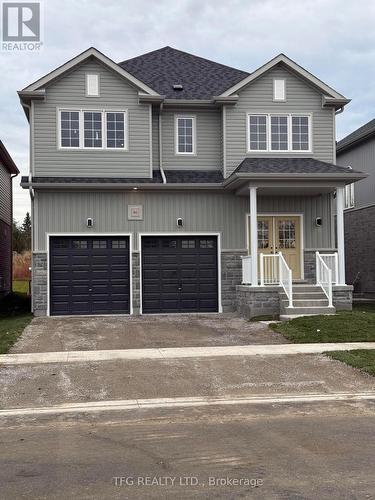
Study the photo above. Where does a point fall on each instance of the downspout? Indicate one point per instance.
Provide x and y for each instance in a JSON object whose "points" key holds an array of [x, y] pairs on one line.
{"points": [[31, 191], [339, 111], [11, 231], [162, 173]]}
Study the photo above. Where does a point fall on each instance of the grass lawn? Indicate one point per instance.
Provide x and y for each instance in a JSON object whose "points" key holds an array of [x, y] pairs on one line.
{"points": [[14, 316], [21, 286], [355, 326], [361, 358]]}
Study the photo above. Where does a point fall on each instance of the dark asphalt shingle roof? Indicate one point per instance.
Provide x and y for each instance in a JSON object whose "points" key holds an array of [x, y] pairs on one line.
{"points": [[200, 78], [357, 136], [173, 177], [7, 161], [289, 166]]}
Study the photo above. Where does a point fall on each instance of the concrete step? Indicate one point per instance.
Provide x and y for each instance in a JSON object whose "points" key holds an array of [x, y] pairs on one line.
{"points": [[307, 303], [306, 288], [307, 295], [306, 311]]}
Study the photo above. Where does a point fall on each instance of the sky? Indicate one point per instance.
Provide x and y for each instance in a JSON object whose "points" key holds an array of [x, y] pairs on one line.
{"points": [[333, 39]]}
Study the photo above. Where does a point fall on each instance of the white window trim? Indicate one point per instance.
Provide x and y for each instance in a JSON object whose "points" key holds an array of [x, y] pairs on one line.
{"points": [[268, 133], [103, 112], [87, 85], [349, 196], [194, 127], [274, 90]]}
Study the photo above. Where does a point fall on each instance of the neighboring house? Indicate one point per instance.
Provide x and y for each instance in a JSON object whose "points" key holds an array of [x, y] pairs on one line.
{"points": [[158, 184], [358, 151], [8, 170]]}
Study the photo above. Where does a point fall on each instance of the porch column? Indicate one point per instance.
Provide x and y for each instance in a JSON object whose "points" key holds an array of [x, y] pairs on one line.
{"points": [[254, 235], [340, 204]]}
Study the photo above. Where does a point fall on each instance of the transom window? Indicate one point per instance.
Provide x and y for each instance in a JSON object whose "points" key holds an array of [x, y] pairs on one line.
{"points": [[284, 132], [98, 129], [185, 135]]}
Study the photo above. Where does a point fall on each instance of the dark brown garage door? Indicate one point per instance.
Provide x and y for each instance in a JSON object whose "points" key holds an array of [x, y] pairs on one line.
{"points": [[179, 274], [89, 275]]}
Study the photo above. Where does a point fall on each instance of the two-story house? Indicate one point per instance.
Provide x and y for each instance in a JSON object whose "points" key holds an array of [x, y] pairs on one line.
{"points": [[358, 150], [162, 183], [8, 170]]}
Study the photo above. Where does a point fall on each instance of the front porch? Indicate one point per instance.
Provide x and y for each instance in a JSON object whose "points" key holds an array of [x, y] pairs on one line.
{"points": [[280, 276]]}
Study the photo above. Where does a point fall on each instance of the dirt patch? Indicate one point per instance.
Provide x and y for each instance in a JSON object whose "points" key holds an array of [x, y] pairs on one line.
{"points": [[120, 332]]}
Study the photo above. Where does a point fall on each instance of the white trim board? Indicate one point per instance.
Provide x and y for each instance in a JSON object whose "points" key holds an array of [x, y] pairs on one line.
{"points": [[282, 58], [186, 234], [91, 52], [91, 235]]}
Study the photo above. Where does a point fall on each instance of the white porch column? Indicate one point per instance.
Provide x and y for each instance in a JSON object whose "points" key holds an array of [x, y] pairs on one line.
{"points": [[254, 236], [340, 205]]}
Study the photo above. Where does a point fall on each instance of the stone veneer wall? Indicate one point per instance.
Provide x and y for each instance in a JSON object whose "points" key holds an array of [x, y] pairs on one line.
{"points": [[343, 297], [259, 301], [309, 265], [39, 284], [231, 276]]}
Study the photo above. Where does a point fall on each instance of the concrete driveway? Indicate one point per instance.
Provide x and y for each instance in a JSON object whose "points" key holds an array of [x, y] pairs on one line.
{"points": [[137, 332]]}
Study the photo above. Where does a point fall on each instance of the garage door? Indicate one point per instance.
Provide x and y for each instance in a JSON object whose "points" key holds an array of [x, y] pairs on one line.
{"points": [[89, 275], [179, 274]]}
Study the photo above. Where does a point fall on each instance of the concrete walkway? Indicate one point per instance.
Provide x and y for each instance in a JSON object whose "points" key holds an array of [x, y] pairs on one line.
{"points": [[135, 404], [178, 353]]}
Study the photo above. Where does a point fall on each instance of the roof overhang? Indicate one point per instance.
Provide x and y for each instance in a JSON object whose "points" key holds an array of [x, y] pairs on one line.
{"points": [[7, 161], [333, 180], [282, 58]]}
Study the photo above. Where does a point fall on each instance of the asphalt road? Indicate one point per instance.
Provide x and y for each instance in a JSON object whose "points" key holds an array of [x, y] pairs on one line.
{"points": [[275, 451]]}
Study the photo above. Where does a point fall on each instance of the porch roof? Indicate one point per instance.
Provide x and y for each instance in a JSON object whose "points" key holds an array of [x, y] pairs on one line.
{"points": [[291, 170]]}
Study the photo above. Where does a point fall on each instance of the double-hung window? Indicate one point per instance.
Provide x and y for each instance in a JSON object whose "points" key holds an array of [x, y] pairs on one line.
{"points": [[185, 135], [93, 126], [92, 129], [279, 132], [69, 129]]}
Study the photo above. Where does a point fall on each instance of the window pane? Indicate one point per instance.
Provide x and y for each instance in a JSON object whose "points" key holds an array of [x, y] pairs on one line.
{"points": [[69, 127], [185, 135], [287, 234], [188, 244], [99, 244], [92, 129], [279, 133], [79, 243], [118, 244], [300, 137], [258, 132], [115, 130]]}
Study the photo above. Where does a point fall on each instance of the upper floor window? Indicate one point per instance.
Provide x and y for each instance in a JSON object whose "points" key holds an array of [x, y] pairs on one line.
{"points": [[283, 133], [279, 89], [92, 129], [69, 129], [185, 135], [92, 85], [349, 196]]}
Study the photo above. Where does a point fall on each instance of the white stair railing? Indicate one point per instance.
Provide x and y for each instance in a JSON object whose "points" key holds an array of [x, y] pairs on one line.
{"points": [[269, 269], [332, 261], [285, 274], [324, 277], [246, 270]]}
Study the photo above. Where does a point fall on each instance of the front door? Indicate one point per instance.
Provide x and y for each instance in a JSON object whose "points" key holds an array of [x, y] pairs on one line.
{"points": [[280, 234]]}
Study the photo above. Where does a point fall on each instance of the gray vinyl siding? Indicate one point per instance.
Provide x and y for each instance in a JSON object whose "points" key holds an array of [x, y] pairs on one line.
{"points": [[69, 91], [5, 195], [257, 97], [155, 139], [361, 157], [201, 211], [208, 135]]}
